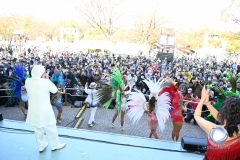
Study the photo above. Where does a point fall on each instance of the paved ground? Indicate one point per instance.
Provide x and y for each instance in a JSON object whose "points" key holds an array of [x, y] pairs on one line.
{"points": [[103, 119]]}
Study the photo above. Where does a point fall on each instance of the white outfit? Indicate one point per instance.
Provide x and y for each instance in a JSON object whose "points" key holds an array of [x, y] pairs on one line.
{"points": [[92, 96], [40, 112], [24, 95], [124, 106], [93, 111], [93, 101]]}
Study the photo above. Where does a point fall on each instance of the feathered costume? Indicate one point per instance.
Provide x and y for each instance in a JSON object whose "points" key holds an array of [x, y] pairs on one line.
{"points": [[222, 95], [17, 87], [113, 91], [57, 78], [176, 100], [138, 104], [14, 83]]}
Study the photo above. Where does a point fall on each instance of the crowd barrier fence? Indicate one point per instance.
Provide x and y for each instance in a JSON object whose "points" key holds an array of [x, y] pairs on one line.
{"points": [[66, 98]]}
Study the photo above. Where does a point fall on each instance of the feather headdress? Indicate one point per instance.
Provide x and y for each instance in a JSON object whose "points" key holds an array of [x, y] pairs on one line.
{"points": [[116, 80], [112, 91], [57, 78], [171, 89], [117, 84], [156, 87]]}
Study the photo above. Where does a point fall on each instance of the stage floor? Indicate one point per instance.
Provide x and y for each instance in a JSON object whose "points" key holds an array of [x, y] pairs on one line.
{"points": [[18, 142]]}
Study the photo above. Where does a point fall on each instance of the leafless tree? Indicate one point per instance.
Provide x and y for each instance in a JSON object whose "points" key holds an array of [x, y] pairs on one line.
{"points": [[101, 14], [147, 29], [232, 12]]}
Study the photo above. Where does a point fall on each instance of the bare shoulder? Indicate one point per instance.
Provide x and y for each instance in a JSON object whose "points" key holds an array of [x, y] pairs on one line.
{"points": [[147, 104]]}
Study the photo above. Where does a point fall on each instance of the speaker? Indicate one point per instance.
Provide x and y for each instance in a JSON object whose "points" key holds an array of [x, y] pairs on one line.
{"points": [[1, 117], [194, 144], [78, 104]]}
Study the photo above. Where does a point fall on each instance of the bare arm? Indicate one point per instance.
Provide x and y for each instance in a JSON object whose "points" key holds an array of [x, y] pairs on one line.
{"points": [[86, 88], [184, 108], [212, 110], [204, 124], [63, 91]]}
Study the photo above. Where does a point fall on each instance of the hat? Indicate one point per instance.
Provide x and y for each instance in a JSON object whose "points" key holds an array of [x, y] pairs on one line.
{"points": [[93, 85], [189, 89]]}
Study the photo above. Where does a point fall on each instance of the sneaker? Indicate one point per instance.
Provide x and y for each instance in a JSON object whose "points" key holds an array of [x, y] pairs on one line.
{"points": [[112, 125], [90, 125], [93, 122], [122, 128], [60, 147], [44, 147], [59, 121]]}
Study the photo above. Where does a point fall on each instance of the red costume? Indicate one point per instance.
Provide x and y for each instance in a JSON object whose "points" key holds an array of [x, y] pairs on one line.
{"points": [[176, 98], [229, 150], [176, 112]]}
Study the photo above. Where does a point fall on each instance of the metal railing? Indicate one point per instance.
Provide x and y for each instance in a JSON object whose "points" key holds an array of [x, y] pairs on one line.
{"points": [[72, 95]]}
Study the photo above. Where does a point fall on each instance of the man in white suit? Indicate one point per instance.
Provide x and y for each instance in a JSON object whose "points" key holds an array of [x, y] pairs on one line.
{"points": [[40, 113], [92, 100]]}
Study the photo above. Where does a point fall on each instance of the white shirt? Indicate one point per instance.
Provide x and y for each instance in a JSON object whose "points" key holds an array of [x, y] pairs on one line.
{"points": [[92, 96], [124, 106]]}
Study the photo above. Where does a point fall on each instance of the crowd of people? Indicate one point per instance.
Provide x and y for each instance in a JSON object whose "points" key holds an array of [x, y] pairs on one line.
{"points": [[78, 69], [81, 70]]}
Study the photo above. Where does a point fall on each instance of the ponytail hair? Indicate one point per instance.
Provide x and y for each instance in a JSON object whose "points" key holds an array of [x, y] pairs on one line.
{"points": [[151, 104]]}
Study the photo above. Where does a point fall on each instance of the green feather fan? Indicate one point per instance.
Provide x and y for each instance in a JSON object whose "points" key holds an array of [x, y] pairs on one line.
{"points": [[113, 91], [233, 81], [104, 95]]}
